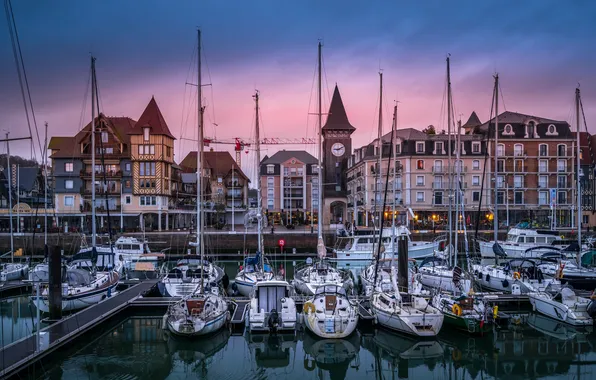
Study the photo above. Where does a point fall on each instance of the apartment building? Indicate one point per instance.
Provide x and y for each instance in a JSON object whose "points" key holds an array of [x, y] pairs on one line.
{"points": [[423, 178], [289, 187], [588, 180]]}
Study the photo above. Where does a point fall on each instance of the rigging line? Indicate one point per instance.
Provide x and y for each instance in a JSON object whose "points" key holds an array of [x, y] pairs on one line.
{"points": [[312, 86], [502, 97], [581, 104], [8, 10], [210, 82], [184, 95]]}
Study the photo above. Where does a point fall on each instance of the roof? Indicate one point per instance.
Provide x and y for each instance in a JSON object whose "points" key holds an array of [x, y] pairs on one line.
{"points": [[284, 155], [520, 119], [220, 163], [337, 118], [406, 134], [26, 178], [63, 147], [473, 121], [153, 119]]}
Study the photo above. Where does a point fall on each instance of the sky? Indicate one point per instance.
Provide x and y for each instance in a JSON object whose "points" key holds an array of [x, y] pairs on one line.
{"points": [[541, 50]]}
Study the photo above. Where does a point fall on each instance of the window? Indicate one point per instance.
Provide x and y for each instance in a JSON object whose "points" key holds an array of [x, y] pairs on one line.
{"points": [[420, 164], [543, 198], [562, 197], [501, 165], [127, 167], [561, 165], [300, 170], [518, 150], [501, 197], [438, 198], [438, 147], [286, 171], [127, 199], [438, 183], [562, 181], [500, 181], [147, 200], [508, 130], [543, 166], [166, 171], [398, 149], [519, 166], [476, 180], [127, 184], [69, 201], [543, 181], [552, 130], [500, 150], [476, 196], [68, 167], [419, 147], [419, 180], [476, 147], [543, 150], [168, 151], [104, 137], [561, 150], [518, 198], [420, 196], [270, 182], [270, 169], [146, 134], [518, 181], [438, 167], [531, 130], [68, 184], [147, 169], [476, 165]]}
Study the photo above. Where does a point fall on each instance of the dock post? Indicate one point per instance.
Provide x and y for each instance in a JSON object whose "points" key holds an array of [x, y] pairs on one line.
{"points": [[402, 369], [55, 288], [402, 264]]}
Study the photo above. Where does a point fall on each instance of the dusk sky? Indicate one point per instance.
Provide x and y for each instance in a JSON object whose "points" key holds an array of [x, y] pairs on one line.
{"points": [[541, 50]]}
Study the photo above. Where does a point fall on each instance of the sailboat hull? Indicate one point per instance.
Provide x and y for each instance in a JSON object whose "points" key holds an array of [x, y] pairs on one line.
{"points": [[77, 302], [423, 325]]}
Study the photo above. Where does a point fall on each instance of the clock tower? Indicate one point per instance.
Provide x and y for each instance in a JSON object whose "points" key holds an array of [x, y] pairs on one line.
{"points": [[337, 147]]}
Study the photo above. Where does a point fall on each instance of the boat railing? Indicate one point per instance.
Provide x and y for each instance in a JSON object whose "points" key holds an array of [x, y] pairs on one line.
{"points": [[440, 238]]}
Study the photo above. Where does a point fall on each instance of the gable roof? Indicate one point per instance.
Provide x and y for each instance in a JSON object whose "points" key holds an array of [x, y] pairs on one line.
{"points": [[153, 119], [473, 121], [284, 155], [220, 163], [337, 118]]}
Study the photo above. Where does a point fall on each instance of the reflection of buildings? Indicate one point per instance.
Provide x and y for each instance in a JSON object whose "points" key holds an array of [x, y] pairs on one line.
{"points": [[331, 355]]}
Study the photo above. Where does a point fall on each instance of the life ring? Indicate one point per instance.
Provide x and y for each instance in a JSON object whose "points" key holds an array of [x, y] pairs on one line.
{"points": [[309, 308], [456, 355], [456, 309], [495, 312], [516, 275], [309, 365]]}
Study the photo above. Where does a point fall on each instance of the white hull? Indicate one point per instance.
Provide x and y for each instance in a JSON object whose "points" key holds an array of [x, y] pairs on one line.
{"points": [[246, 282], [331, 326], [574, 315], [442, 278], [490, 277], [199, 327], [12, 272], [77, 302], [420, 324], [178, 288], [416, 250]]}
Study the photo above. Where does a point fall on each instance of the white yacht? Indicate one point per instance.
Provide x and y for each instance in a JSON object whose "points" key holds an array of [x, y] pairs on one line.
{"points": [[251, 273], [147, 266], [185, 278], [271, 307], [436, 273], [524, 272], [329, 313], [14, 271], [565, 306], [312, 275], [199, 314], [360, 245], [520, 239], [559, 266], [384, 281]]}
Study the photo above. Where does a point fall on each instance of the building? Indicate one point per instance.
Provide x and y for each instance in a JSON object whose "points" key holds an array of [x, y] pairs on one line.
{"points": [[420, 190], [133, 161], [337, 147], [225, 192], [588, 185], [535, 166], [289, 187]]}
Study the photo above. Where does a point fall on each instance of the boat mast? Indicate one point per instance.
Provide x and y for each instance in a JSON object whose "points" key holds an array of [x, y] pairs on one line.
{"points": [[258, 164], [45, 201], [93, 227], [496, 213], [379, 161], [9, 187], [199, 243], [321, 250], [394, 158], [579, 194], [449, 166]]}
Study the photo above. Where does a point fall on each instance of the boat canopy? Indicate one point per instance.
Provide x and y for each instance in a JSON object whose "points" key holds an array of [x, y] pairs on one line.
{"points": [[331, 289]]}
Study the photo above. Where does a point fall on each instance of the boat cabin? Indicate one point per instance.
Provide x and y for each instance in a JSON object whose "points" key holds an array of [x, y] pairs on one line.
{"points": [[526, 236], [269, 295]]}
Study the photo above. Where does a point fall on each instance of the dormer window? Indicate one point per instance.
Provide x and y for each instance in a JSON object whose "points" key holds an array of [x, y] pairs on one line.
{"points": [[104, 137], [270, 169], [531, 130], [476, 147], [146, 134], [551, 130], [508, 130], [419, 147], [398, 149], [438, 148]]}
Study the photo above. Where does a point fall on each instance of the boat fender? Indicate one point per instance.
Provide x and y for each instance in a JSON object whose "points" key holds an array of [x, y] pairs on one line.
{"points": [[456, 309], [487, 277], [456, 355], [591, 309], [516, 275], [309, 365], [495, 312], [505, 283], [234, 287], [309, 307]]}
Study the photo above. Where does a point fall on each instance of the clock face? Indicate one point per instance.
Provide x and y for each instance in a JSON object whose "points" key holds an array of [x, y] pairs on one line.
{"points": [[338, 149]]}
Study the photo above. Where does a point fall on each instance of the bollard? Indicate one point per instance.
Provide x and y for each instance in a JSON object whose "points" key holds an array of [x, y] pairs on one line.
{"points": [[55, 286], [402, 261]]}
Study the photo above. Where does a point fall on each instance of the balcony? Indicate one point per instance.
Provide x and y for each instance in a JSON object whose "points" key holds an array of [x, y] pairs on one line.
{"points": [[358, 188], [234, 185], [235, 195], [100, 174], [359, 203], [438, 186], [295, 193], [359, 174]]}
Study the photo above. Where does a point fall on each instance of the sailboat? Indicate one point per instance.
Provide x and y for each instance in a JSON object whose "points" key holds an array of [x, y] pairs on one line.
{"points": [[565, 306], [11, 271], [204, 311], [83, 284], [272, 307]]}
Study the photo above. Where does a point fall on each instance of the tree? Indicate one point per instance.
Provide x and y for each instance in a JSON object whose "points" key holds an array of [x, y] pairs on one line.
{"points": [[430, 130]]}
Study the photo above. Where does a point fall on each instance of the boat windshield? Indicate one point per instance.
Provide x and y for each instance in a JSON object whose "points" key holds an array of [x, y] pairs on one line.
{"points": [[511, 238], [331, 289]]}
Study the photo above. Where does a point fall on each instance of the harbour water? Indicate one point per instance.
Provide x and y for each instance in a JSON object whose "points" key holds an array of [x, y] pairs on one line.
{"points": [[137, 348]]}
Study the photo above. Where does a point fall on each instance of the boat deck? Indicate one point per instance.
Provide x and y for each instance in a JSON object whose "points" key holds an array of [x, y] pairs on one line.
{"points": [[24, 352]]}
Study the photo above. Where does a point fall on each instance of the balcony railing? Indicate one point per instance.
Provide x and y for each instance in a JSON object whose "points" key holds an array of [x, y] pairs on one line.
{"points": [[100, 173]]}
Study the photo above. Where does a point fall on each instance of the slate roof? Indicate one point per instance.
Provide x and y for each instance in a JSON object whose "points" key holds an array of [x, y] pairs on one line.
{"points": [[153, 119], [337, 118], [518, 122], [284, 155], [220, 163]]}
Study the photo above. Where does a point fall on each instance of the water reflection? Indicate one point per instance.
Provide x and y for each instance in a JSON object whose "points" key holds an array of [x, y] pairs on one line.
{"points": [[139, 348], [18, 318]]}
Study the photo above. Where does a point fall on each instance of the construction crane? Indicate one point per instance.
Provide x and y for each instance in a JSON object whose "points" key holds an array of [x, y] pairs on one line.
{"points": [[241, 144]]}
